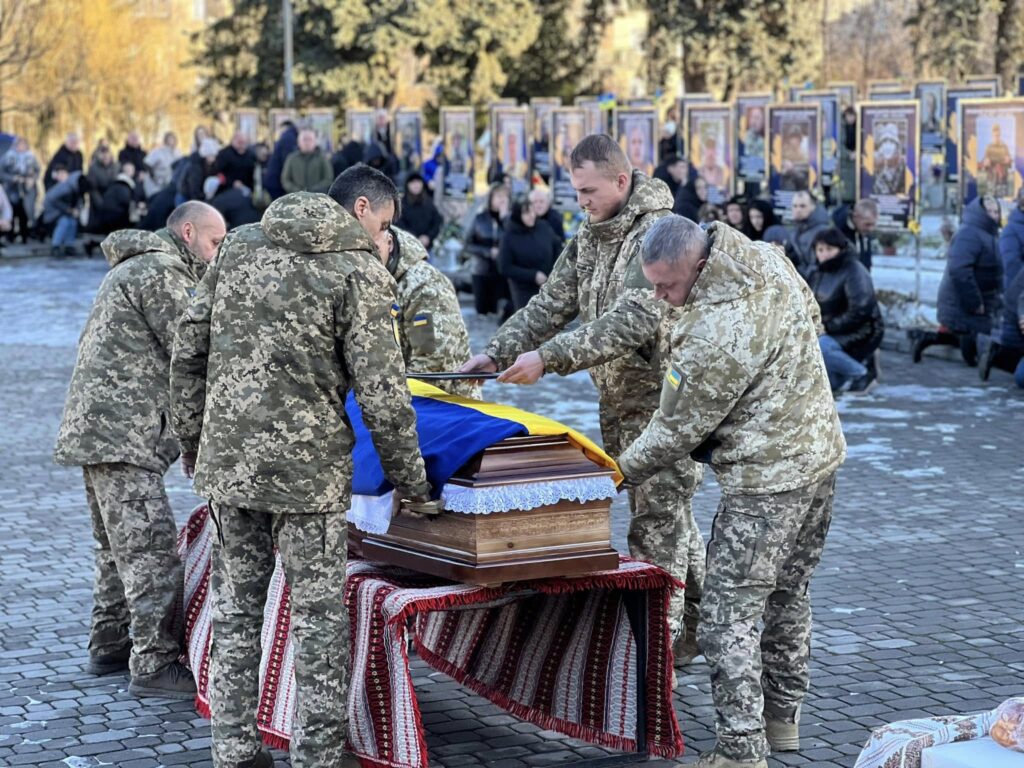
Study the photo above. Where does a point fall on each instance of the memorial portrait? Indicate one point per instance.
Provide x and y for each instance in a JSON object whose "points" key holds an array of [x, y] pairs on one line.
{"points": [[636, 131], [407, 138], [889, 160], [510, 146], [247, 122], [992, 149], [540, 150], [359, 125], [457, 131], [750, 135], [709, 131], [568, 127]]}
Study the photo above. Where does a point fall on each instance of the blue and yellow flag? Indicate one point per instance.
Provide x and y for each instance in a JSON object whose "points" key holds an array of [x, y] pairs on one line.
{"points": [[452, 430]]}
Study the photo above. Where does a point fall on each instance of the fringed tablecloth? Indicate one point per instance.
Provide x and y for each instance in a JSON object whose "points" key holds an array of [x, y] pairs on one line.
{"points": [[558, 653]]}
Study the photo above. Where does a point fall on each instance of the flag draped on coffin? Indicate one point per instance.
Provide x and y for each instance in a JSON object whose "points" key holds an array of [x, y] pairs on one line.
{"points": [[452, 430]]}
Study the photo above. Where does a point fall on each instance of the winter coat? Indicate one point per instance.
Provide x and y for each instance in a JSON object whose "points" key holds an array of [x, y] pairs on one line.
{"points": [[307, 172], [746, 386], [661, 172], [73, 161], [134, 155], [118, 407], [23, 164], [802, 233], [420, 216], [525, 251], [235, 166], [114, 211], [63, 199], [849, 311], [1013, 311], [101, 177], [349, 155], [969, 294], [484, 234], [557, 224], [190, 186], [286, 143], [686, 201], [1011, 247], [377, 156], [863, 244], [161, 164], [767, 213], [293, 314]]}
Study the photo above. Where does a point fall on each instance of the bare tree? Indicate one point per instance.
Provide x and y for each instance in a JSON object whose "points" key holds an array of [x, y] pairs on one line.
{"points": [[24, 38]]}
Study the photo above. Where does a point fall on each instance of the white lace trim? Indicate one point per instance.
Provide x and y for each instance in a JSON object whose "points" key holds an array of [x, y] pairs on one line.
{"points": [[372, 514]]}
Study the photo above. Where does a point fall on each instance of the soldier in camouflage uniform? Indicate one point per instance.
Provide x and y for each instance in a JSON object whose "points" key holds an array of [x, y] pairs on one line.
{"points": [[598, 279], [116, 427], [747, 392], [427, 317], [294, 314]]}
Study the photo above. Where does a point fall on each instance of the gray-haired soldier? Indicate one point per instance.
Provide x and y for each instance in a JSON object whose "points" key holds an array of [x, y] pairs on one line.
{"points": [[746, 392], [116, 426]]}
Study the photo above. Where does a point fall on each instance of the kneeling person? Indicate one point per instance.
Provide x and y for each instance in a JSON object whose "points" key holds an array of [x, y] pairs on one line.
{"points": [[748, 393], [116, 426]]}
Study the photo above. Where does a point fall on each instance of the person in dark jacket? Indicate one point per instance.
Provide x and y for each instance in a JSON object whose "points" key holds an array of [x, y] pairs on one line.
{"points": [[133, 153], [420, 216], [857, 224], [377, 157], [527, 253], [760, 216], [287, 142], [1011, 243], [61, 205], [483, 244], [350, 154], [103, 172], [809, 218], [970, 293], [540, 201], [849, 311], [735, 211], [690, 197], [1006, 352], [199, 166], [114, 211], [673, 171], [236, 164], [69, 157]]}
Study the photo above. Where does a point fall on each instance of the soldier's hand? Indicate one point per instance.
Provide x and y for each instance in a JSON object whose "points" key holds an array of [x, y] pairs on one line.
{"points": [[417, 506], [188, 465], [527, 369], [628, 483], [479, 364]]}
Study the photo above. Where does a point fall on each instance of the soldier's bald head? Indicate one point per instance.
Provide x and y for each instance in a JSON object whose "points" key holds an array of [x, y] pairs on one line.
{"points": [[200, 227]]}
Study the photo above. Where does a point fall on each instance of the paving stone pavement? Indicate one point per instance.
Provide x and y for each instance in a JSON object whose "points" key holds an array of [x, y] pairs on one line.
{"points": [[917, 601]]}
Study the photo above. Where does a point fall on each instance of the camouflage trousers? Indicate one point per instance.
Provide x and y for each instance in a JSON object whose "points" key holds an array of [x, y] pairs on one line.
{"points": [[662, 529], [313, 550], [139, 577], [762, 553]]}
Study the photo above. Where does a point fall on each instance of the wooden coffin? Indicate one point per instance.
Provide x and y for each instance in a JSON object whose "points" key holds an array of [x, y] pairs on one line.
{"points": [[565, 539]]}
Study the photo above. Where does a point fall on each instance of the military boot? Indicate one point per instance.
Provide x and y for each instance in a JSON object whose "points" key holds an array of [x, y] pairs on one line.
{"points": [[263, 759], [782, 736], [715, 759], [174, 681], [348, 760], [684, 649], [109, 663]]}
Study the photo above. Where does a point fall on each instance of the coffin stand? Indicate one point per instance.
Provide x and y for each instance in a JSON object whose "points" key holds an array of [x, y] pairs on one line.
{"points": [[569, 538]]}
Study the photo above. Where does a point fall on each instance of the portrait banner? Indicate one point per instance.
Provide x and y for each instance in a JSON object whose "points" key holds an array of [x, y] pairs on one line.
{"points": [[931, 95], [847, 91], [794, 154], [750, 130], [830, 131], [540, 150], [247, 122], [568, 127], [322, 122], [636, 130], [991, 149], [883, 85], [709, 136], [995, 82], [888, 163], [458, 133], [510, 142], [277, 118], [891, 94], [359, 125], [954, 94], [407, 139], [682, 103], [591, 106]]}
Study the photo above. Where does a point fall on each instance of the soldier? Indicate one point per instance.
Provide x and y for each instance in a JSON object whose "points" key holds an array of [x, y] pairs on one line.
{"points": [[116, 427], [294, 314], [427, 318], [747, 391], [598, 279]]}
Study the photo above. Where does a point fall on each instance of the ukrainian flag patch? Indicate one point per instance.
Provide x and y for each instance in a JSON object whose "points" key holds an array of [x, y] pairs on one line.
{"points": [[674, 377], [419, 320], [396, 310]]}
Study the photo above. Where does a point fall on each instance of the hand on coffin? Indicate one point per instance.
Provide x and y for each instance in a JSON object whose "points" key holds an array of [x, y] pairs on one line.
{"points": [[527, 369], [628, 483], [417, 506], [479, 364]]}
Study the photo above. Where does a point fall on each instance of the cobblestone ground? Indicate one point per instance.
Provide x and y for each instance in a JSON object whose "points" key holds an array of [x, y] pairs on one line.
{"points": [[917, 602]]}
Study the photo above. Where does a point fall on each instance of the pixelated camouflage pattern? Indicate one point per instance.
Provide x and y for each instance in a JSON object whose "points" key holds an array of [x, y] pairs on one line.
{"points": [[430, 326], [117, 408], [598, 279], [761, 556], [313, 553], [139, 576], [294, 312], [747, 386]]}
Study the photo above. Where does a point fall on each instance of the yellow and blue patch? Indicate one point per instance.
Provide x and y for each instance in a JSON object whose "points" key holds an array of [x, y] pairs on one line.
{"points": [[420, 320], [396, 311], [674, 377]]}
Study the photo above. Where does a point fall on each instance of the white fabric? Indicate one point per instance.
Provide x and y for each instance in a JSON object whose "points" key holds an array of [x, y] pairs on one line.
{"points": [[372, 514]]}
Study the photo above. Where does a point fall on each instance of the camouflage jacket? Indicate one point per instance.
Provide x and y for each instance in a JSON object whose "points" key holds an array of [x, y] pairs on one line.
{"points": [[117, 409], [747, 388], [294, 312], [427, 317], [598, 279]]}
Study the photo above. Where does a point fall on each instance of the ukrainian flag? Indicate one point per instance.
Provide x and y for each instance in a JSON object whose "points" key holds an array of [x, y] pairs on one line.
{"points": [[452, 430]]}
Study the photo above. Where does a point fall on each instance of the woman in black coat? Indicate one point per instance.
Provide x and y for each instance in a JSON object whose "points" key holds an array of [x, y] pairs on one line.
{"points": [[690, 197], [482, 244], [849, 311], [528, 252]]}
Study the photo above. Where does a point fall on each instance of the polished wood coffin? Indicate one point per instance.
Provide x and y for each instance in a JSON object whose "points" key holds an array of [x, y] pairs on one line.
{"points": [[569, 538]]}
